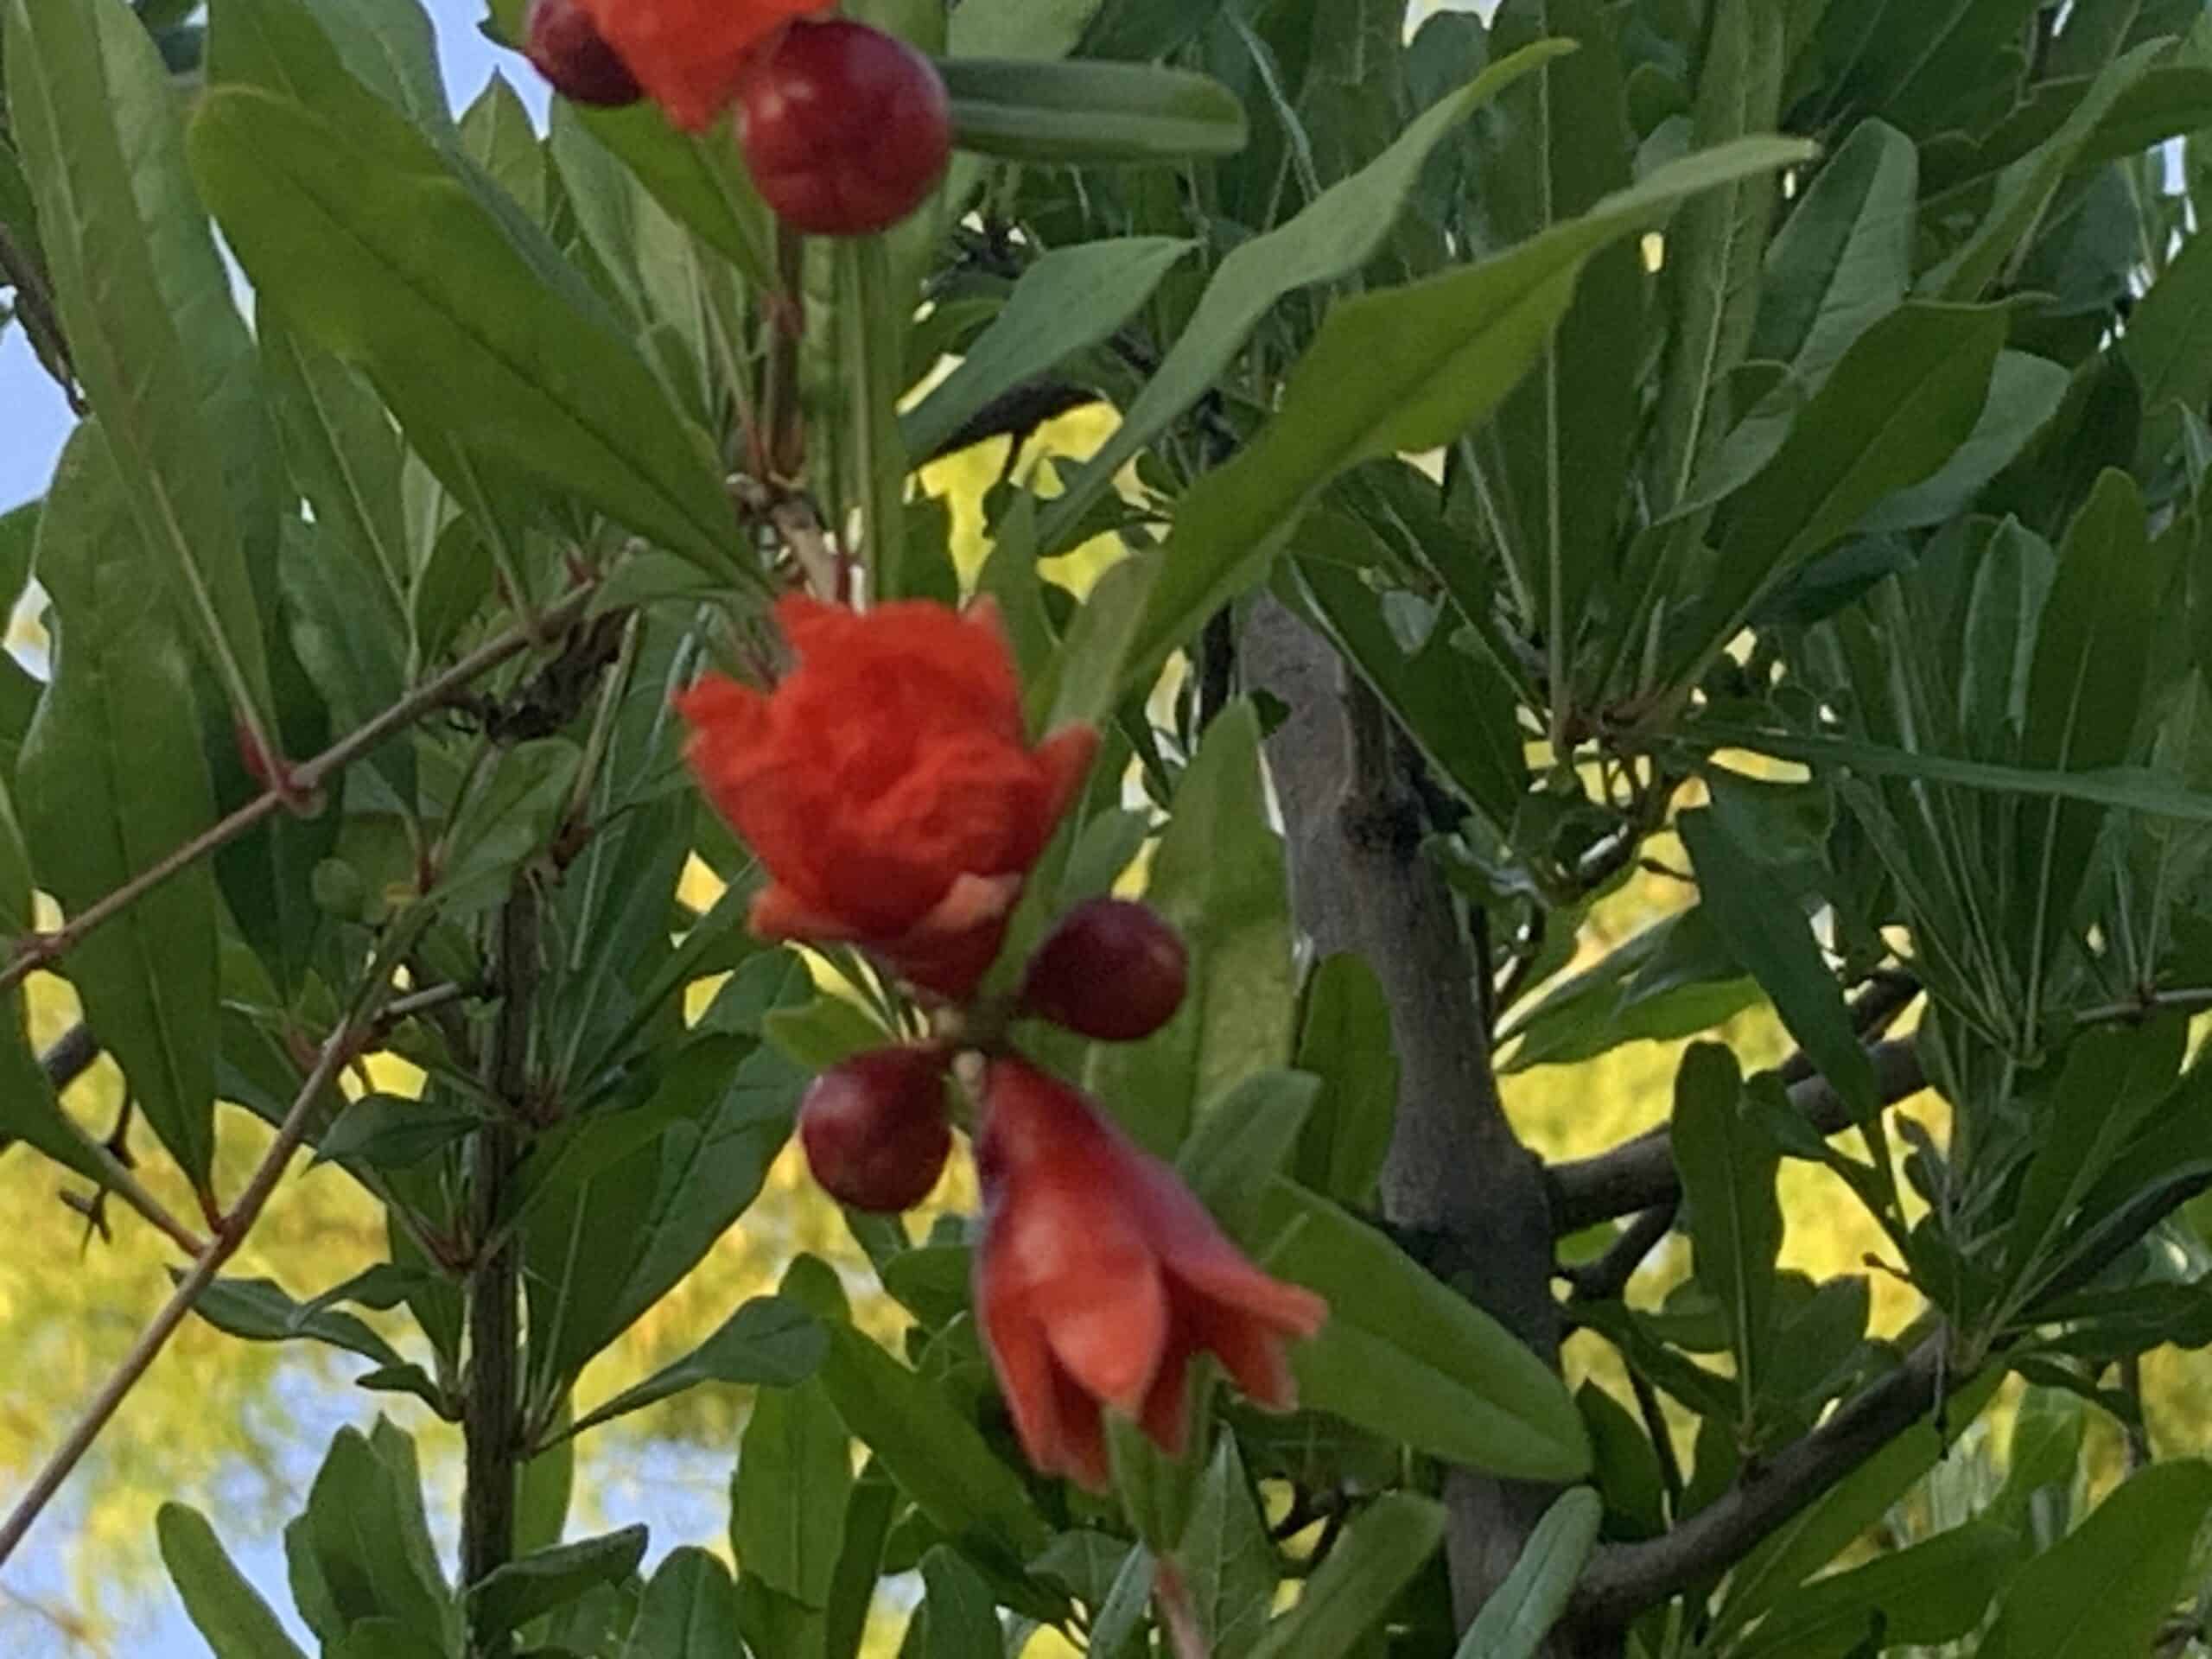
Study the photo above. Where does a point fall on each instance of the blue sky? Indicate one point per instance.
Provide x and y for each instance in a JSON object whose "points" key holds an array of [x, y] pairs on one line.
{"points": [[34, 419]]}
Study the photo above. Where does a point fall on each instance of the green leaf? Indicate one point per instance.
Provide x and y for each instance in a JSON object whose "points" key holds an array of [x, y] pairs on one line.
{"points": [[1242, 1144], [2024, 393], [377, 252], [2025, 189], [933, 1453], [1908, 392], [111, 780], [827, 1030], [1088, 113], [1843, 260], [787, 1500], [2105, 1588], [1228, 1567], [1068, 301], [2169, 346], [2087, 682], [1935, 1591], [1729, 1168], [963, 1620], [226, 1610], [1345, 1039], [689, 1610], [1758, 917], [365, 1535], [1674, 979], [1715, 252], [392, 1131], [507, 820], [509, 1597], [146, 305], [1338, 232], [1378, 1555], [1398, 371], [697, 181], [1521, 1612], [1406, 1356], [496, 134], [1218, 881], [768, 1342]]}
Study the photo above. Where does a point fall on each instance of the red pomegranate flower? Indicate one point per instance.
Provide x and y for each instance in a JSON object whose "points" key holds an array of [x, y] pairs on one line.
{"points": [[887, 783], [690, 55], [1100, 1276]]}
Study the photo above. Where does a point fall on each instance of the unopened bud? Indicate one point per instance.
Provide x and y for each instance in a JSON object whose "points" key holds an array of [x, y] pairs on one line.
{"points": [[1112, 970], [566, 47], [875, 1129]]}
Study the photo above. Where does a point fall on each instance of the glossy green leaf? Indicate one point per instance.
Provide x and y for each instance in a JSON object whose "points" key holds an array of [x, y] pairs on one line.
{"points": [[933, 1453], [1935, 1591], [1337, 233], [2025, 394], [1228, 1566], [768, 1342], [1343, 1039], [788, 1499], [1758, 918], [258, 1310], [228, 1612], [505, 820], [689, 1610], [1218, 879], [377, 253], [2106, 1588], [1521, 1612], [534, 1585], [1068, 301], [365, 1532], [1378, 1556], [146, 304], [1409, 1357], [1674, 979], [1843, 260], [825, 1032], [1729, 1168], [393, 1132], [1242, 1144], [964, 1620], [1088, 113], [496, 134], [2169, 345], [111, 780], [1908, 392]]}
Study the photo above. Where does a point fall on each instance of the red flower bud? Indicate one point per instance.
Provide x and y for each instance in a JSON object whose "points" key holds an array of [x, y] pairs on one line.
{"points": [[874, 1129], [1111, 969], [845, 128], [565, 46]]}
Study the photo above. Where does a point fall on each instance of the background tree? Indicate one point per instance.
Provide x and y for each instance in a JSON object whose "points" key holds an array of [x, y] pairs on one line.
{"points": [[1758, 443]]}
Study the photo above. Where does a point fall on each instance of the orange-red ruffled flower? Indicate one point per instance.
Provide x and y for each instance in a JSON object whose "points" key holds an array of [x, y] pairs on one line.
{"points": [[690, 55], [887, 783], [1100, 1276]]}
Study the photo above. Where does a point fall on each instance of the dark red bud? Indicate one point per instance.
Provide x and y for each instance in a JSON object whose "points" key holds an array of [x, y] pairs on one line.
{"points": [[1111, 969], [875, 1130], [568, 49], [845, 130]]}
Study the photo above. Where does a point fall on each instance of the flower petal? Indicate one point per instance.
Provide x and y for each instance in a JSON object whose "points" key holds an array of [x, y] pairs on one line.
{"points": [[1109, 1331], [1166, 1414], [780, 913]]}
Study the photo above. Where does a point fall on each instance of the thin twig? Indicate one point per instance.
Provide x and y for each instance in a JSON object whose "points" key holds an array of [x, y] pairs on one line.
{"points": [[1662, 1439], [236, 1225], [1607, 1277], [45, 949]]}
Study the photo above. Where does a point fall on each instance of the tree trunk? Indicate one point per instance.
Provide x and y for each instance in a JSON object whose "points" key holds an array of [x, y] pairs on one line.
{"points": [[1457, 1175]]}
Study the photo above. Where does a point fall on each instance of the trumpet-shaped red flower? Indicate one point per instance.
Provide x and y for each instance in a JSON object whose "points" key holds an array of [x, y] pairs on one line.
{"points": [[888, 784], [1100, 1276], [690, 55]]}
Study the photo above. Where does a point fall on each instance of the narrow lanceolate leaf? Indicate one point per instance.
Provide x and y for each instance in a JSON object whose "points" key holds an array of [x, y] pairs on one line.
{"points": [[1935, 1590], [112, 780], [1904, 397], [1728, 1168], [1066, 303], [146, 304], [1843, 260], [1402, 371], [689, 1610], [376, 252], [1378, 1556], [1520, 1612], [226, 1610], [1717, 248], [512, 1595], [1033, 110], [2088, 679], [1228, 1566], [2106, 1588], [1338, 232], [1407, 1356]]}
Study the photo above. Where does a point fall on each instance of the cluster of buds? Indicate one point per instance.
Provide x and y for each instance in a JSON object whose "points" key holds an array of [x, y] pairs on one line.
{"points": [[844, 128], [888, 786]]}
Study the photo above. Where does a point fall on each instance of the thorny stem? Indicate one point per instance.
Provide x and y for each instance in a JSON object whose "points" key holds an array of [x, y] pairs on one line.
{"points": [[230, 1235], [44, 950]]}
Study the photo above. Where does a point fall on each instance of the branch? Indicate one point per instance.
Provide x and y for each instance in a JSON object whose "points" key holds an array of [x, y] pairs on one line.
{"points": [[304, 779], [1640, 1174], [1623, 1579], [230, 1235], [1605, 1278]]}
